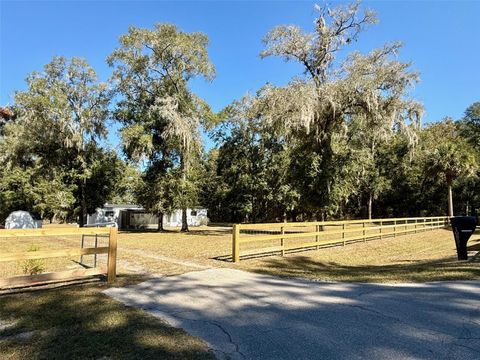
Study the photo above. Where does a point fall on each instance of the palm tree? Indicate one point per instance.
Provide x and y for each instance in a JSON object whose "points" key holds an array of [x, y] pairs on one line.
{"points": [[452, 160]]}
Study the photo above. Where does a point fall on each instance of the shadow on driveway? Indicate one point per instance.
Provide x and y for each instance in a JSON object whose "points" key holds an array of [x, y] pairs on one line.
{"points": [[252, 316]]}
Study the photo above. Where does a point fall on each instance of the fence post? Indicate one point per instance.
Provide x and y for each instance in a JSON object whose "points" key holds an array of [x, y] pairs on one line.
{"points": [[424, 225], [112, 255], [394, 228], [381, 224], [317, 237], [282, 229], [95, 256], [343, 233], [415, 225], [236, 243], [81, 256]]}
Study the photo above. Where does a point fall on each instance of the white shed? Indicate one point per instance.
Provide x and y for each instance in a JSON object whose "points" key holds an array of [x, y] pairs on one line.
{"points": [[22, 220]]}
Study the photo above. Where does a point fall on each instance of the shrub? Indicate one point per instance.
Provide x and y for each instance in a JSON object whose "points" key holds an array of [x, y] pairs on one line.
{"points": [[33, 266]]}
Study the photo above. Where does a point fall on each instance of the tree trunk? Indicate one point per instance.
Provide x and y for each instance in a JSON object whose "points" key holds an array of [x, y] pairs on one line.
{"points": [[370, 203], [81, 216], [450, 200], [83, 205], [184, 167], [160, 222], [184, 220]]}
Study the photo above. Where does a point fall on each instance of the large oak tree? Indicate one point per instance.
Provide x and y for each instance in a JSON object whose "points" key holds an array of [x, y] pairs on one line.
{"points": [[161, 116]]}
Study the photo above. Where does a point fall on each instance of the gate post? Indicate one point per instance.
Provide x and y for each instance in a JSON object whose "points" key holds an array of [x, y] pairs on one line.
{"points": [[112, 255], [236, 243]]}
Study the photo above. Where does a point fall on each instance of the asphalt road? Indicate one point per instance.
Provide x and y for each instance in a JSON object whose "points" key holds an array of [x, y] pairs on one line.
{"points": [[250, 316]]}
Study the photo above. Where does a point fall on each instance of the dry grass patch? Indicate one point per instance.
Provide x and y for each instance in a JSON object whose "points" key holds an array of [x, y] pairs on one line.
{"points": [[425, 256], [173, 252]]}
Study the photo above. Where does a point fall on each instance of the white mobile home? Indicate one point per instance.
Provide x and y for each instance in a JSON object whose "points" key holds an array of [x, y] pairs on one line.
{"points": [[132, 217]]}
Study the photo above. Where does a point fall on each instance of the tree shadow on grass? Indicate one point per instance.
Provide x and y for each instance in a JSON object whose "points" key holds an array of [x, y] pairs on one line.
{"points": [[414, 271], [209, 232], [147, 231], [192, 232], [81, 322]]}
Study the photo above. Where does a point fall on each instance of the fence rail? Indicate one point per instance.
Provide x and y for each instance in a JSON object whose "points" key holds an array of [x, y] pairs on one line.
{"points": [[278, 238], [28, 280]]}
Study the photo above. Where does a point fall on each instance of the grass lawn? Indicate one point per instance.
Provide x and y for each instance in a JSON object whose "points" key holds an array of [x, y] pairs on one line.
{"points": [[426, 256], [79, 322], [173, 252]]}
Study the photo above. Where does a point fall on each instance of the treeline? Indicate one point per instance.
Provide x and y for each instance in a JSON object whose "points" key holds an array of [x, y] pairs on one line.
{"points": [[256, 176], [343, 140]]}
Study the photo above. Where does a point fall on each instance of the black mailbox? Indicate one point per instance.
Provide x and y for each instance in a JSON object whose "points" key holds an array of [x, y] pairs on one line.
{"points": [[463, 227]]}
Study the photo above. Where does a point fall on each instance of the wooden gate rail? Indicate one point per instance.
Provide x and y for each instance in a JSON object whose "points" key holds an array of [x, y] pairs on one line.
{"points": [[278, 231], [28, 280]]}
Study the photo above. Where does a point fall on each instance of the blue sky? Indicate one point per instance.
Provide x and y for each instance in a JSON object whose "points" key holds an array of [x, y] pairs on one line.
{"points": [[442, 40]]}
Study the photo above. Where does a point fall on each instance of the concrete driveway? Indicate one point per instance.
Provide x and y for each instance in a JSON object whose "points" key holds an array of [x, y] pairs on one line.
{"points": [[250, 316]]}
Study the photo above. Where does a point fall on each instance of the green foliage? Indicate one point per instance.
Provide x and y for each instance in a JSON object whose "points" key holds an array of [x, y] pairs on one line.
{"points": [[60, 119], [16, 190], [469, 126], [248, 177], [125, 184], [158, 193], [53, 199], [53, 164]]}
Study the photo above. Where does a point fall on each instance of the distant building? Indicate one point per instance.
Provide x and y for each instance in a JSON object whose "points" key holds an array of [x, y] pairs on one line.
{"points": [[133, 217]]}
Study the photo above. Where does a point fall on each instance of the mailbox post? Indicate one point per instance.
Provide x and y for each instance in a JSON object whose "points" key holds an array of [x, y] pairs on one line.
{"points": [[463, 227]]}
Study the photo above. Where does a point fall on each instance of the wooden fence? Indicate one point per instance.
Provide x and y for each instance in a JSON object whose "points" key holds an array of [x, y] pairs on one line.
{"points": [[44, 278], [278, 238]]}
